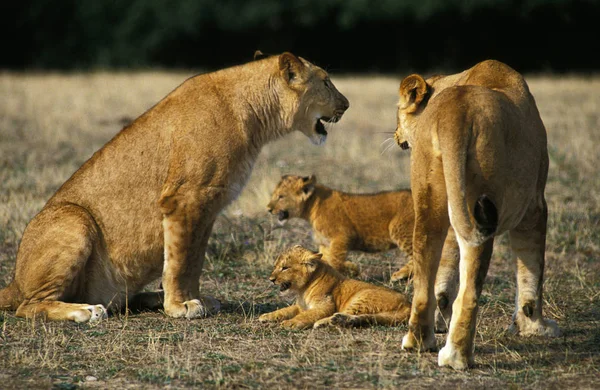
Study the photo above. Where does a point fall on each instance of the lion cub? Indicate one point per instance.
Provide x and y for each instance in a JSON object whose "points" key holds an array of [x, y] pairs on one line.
{"points": [[326, 297], [343, 222]]}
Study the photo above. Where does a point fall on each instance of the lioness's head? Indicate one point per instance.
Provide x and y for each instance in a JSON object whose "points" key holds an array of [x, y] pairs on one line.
{"points": [[290, 196], [294, 269], [414, 94], [310, 97]]}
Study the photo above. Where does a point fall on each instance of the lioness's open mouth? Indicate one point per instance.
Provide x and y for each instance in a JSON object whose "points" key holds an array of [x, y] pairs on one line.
{"points": [[320, 128], [284, 286]]}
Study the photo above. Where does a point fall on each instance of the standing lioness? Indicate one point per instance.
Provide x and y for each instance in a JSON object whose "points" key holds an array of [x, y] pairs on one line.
{"points": [[144, 205], [479, 165]]}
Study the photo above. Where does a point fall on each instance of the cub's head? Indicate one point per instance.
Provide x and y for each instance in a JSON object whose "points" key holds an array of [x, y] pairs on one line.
{"points": [[290, 196], [294, 269], [414, 95], [309, 97]]}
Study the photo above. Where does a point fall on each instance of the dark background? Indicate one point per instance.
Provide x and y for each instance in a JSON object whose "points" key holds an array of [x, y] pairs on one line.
{"points": [[340, 35]]}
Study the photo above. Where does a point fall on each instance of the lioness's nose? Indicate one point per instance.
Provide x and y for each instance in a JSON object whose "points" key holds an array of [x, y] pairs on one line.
{"points": [[345, 103], [272, 279], [270, 209]]}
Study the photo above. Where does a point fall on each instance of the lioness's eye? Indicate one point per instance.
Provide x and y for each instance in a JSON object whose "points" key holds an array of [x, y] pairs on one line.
{"points": [[280, 197], [284, 268]]}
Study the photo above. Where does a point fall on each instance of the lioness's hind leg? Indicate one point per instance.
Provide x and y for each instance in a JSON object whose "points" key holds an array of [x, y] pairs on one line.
{"points": [[474, 263], [62, 311], [446, 282], [529, 248], [53, 256]]}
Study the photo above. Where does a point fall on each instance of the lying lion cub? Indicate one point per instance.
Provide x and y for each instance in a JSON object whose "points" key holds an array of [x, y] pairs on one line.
{"points": [[343, 222], [325, 297], [143, 206]]}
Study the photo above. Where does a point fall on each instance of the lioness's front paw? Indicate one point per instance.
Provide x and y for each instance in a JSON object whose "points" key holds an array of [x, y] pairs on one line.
{"points": [[410, 342], [194, 308], [293, 324], [90, 313], [451, 356]]}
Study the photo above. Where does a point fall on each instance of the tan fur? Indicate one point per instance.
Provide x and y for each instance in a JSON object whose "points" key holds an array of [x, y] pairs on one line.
{"points": [[479, 165], [342, 222], [143, 206], [325, 297]]}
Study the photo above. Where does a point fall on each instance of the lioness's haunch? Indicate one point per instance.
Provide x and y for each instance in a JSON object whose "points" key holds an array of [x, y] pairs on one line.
{"points": [[479, 165], [143, 206], [342, 222], [325, 297]]}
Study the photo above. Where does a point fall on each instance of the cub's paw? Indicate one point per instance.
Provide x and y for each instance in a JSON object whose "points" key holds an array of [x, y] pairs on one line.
{"points": [[351, 269], [268, 317], [452, 357], [343, 320], [404, 273], [293, 324], [323, 323]]}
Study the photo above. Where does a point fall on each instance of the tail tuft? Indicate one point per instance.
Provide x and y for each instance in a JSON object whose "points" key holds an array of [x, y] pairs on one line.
{"points": [[486, 215]]}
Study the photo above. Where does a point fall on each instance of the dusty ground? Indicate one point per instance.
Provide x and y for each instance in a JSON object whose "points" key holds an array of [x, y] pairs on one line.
{"points": [[50, 124]]}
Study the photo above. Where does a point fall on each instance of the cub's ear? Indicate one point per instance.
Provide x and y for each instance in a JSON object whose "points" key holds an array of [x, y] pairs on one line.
{"points": [[308, 186], [310, 179], [413, 91], [312, 260], [291, 67], [259, 55]]}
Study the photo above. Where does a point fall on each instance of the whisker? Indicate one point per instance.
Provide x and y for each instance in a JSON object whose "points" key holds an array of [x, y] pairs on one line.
{"points": [[386, 141]]}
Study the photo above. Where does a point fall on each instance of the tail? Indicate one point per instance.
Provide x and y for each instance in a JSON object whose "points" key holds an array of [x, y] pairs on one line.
{"points": [[475, 224], [10, 297]]}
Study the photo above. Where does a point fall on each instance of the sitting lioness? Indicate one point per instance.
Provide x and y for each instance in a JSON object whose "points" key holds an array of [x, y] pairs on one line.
{"points": [[325, 297], [479, 164], [144, 205], [342, 222]]}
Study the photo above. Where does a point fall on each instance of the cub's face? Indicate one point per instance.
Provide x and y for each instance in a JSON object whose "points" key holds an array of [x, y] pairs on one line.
{"points": [[294, 269], [290, 196], [314, 96]]}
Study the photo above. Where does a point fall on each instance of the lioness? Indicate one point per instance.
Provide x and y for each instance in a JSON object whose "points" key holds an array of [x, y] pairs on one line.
{"points": [[326, 297], [144, 205], [479, 165], [343, 222]]}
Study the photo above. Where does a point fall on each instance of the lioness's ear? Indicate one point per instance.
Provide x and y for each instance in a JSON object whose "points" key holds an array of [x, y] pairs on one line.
{"points": [[290, 66], [259, 55], [413, 90]]}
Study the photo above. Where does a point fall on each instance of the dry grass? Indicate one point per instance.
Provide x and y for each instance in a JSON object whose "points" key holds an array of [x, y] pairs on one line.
{"points": [[50, 124]]}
